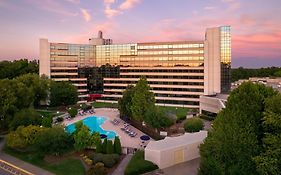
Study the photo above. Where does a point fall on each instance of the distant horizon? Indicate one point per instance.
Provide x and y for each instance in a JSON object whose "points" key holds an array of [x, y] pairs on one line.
{"points": [[255, 27]]}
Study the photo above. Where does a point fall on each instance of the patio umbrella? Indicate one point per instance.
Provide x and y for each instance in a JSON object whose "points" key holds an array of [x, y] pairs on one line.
{"points": [[145, 137], [103, 136]]}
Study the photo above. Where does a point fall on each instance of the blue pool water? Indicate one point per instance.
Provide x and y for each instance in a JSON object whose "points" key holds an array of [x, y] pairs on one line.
{"points": [[93, 123]]}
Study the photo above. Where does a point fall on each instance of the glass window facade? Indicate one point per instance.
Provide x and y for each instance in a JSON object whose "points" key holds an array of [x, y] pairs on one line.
{"points": [[175, 70], [225, 52]]}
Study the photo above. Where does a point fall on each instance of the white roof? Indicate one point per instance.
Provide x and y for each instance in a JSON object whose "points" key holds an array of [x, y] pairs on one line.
{"points": [[174, 142]]}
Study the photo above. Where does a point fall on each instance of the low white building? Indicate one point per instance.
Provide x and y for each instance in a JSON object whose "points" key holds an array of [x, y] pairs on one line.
{"points": [[174, 150]]}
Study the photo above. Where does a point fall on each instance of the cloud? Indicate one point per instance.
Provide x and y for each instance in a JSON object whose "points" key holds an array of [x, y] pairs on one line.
{"points": [[73, 1], [210, 8], [108, 1], [128, 4], [86, 15], [109, 12]]}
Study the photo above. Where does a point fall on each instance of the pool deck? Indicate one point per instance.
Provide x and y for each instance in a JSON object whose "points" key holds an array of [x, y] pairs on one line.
{"points": [[111, 114]]}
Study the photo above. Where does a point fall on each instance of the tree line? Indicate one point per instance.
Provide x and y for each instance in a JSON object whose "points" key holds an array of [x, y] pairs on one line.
{"points": [[30, 91], [12, 69], [244, 73]]}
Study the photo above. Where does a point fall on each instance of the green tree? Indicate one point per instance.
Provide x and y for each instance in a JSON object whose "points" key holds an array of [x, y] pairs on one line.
{"points": [[125, 103], [39, 87], [142, 99], [81, 138], [104, 143], [25, 117], [63, 93], [99, 146], [53, 141], [23, 137], [277, 73], [7, 103], [109, 147], [237, 133], [193, 125], [47, 122], [117, 145], [269, 162], [95, 139], [24, 94], [156, 118], [12, 69], [72, 112]]}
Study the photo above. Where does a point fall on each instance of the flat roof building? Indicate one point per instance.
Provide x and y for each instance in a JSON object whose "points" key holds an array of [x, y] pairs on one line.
{"points": [[178, 72]]}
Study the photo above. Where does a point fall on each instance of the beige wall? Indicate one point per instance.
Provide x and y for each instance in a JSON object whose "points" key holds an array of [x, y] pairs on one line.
{"points": [[44, 63], [211, 104], [212, 68]]}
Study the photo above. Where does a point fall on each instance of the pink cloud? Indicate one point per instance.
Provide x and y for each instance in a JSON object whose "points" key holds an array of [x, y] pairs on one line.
{"points": [[128, 4], [109, 12], [86, 15]]}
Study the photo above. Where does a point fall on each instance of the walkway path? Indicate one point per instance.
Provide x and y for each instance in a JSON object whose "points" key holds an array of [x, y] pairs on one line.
{"points": [[120, 170], [21, 164]]}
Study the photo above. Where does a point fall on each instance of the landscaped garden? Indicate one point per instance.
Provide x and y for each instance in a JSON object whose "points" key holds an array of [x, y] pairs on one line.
{"points": [[32, 137], [137, 106]]}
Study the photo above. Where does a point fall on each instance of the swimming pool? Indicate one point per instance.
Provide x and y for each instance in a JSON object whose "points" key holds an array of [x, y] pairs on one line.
{"points": [[93, 123]]}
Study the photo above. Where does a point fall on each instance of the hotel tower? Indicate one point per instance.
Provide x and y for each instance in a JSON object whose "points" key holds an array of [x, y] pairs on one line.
{"points": [[178, 72]]}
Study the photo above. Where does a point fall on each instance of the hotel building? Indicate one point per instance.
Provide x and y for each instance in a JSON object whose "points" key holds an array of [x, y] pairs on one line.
{"points": [[178, 72]]}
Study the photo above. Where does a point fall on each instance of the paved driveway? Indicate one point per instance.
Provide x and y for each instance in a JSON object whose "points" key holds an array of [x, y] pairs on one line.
{"points": [[187, 168]]}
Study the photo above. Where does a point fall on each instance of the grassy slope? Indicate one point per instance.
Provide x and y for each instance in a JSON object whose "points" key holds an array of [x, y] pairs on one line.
{"points": [[68, 166]]}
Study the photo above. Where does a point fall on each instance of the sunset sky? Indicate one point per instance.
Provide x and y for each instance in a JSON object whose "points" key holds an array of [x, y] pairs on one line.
{"points": [[256, 24]]}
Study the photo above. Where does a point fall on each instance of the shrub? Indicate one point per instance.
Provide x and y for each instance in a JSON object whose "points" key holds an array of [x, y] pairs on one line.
{"points": [[23, 137], [97, 169], [115, 157], [180, 117], [25, 117], [193, 125], [138, 165], [117, 145], [99, 146], [72, 112], [109, 147], [104, 145], [53, 141], [98, 157], [109, 160]]}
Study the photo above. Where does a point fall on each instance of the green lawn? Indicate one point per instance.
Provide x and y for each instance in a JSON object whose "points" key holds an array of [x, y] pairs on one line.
{"points": [[69, 166], [46, 113], [105, 105], [138, 165], [178, 111]]}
